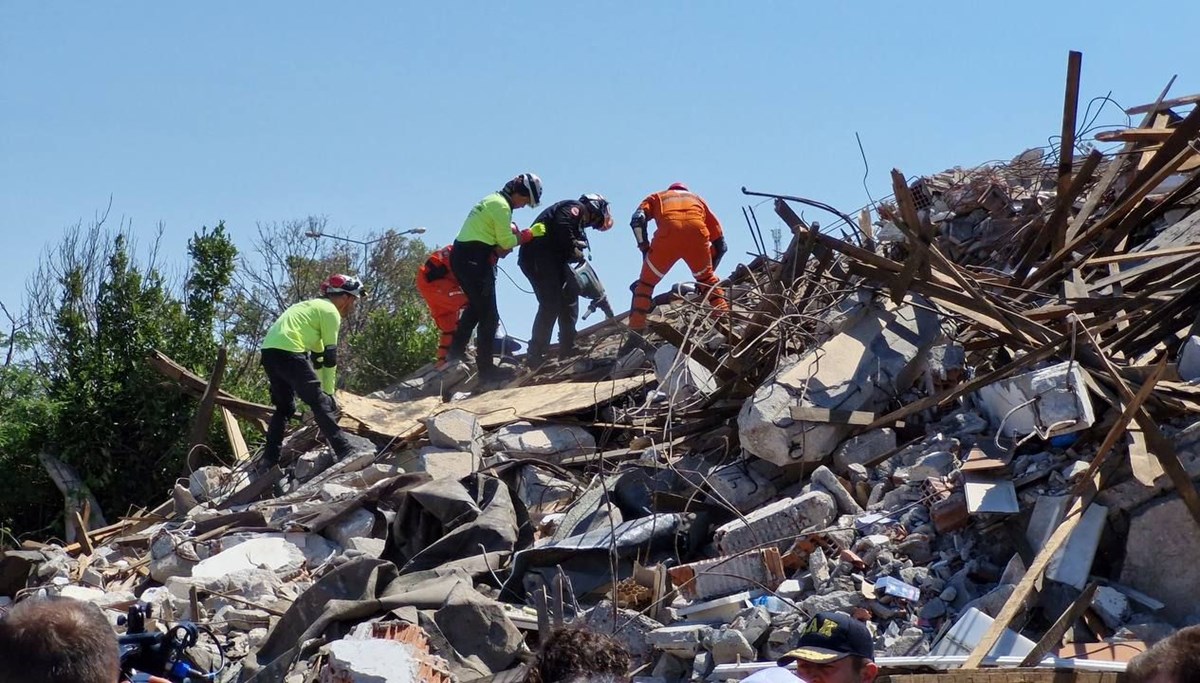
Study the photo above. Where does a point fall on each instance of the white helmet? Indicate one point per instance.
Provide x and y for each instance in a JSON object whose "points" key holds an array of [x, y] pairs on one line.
{"points": [[527, 184]]}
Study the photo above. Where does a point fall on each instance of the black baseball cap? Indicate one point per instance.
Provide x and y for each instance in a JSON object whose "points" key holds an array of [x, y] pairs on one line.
{"points": [[830, 636]]}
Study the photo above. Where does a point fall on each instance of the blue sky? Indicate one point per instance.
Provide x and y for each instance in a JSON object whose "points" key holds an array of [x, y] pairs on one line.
{"points": [[404, 114]]}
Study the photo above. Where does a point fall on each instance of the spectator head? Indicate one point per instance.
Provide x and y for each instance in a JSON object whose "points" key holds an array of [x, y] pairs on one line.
{"points": [[1174, 659], [834, 648], [58, 640], [572, 654]]}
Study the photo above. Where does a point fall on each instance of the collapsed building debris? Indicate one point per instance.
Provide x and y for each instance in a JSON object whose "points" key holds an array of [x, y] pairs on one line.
{"points": [[967, 419]]}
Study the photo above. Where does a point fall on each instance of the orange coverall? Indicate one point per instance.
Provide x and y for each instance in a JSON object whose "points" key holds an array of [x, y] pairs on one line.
{"points": [[439, 288], [686, 229]]}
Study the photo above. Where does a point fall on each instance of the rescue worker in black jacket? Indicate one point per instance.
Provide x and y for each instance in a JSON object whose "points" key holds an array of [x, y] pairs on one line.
{"points": [[558, 242]]}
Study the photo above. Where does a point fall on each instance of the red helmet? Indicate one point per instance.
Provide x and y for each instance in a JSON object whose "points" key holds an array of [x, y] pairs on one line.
{"points": [[343, 284], [679, 186]]}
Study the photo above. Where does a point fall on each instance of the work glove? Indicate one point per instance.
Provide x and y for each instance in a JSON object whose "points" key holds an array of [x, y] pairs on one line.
{"points": [[525, 236]]}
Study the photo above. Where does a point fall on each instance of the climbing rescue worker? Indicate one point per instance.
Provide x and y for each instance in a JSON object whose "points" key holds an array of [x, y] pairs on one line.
{"points": [[686, 229], [299, 356], [486, 235], [558, 242], [443, 296]]}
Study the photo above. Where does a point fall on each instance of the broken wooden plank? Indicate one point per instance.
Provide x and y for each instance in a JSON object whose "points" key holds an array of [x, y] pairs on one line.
{"points": [[1162, 104], [84, 542], [1117, 163], [910, 225], [846, 417], [256, 413], [1143, 255], [204, 413], [237, 442], [1159, 445], [1053, 637], [1134, 135], [1066, 147]]}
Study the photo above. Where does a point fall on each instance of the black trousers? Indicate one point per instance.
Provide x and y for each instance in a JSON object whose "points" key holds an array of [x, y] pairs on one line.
{"points": [[292, 375], [476, 274], [557, 293]]}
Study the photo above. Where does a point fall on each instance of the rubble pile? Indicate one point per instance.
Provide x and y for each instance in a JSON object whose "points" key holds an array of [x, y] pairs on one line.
{"points": [[972, 415]]}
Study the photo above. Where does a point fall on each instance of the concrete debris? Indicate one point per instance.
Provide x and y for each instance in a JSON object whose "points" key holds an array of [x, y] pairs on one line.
{"points": [[869, 429]]}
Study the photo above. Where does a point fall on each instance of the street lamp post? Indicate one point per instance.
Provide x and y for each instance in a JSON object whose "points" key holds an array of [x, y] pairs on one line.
{"points": [[366, 244]]}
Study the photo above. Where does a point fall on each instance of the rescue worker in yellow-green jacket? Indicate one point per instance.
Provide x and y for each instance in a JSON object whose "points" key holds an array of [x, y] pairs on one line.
{"points": [[299, 356], [486, 235]]}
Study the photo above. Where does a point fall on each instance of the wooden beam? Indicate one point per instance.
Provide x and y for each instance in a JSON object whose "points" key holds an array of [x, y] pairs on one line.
{"points": [[1053, 637], [845, 417], [1159, 445], [208, 402], [1080, 500], [1110, 175], [910, 225], [1135, 135], [1162, 104], [1054, 233], [1142, 255], [237, 442], [84, 542], [256, 413], [1066, 149]]}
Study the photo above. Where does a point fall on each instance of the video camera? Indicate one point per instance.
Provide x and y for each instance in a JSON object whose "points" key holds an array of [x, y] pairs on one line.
{"points": [[147, 654]]}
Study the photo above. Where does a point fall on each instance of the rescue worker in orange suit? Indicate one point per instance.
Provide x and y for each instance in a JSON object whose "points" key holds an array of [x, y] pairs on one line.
{"points": [[443, 296], [558, 241], [686, 229]]}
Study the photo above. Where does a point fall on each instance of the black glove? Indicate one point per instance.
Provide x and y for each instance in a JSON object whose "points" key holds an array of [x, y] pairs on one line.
{"points": [[435, 271]]}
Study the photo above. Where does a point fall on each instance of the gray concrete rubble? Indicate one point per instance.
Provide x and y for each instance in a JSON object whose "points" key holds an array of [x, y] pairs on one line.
{"points": [[875, 357], [894, 425]]}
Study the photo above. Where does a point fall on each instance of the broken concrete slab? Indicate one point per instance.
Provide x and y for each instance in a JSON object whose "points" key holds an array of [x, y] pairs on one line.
{"points": [[550, 442], [776, 524], [863, 448], [456, 429], [729, 645], [209, 482], [1072, 564], [829, 482], [680, 377], [740, 486], [682, 640], [371, 661], [1050, 401], [1162, 557], [356, 524], [727, 575], [273, 553], [857, 369], [1189, 360], [442, 463]]}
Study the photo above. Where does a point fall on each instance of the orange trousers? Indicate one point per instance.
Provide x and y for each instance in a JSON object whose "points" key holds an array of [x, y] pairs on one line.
{"points": [[446, 301], [670, 244]]}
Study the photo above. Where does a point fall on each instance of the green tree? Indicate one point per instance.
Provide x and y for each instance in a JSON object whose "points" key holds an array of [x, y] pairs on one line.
{"points": [[28, 499], [115, 420], [390, 334]]}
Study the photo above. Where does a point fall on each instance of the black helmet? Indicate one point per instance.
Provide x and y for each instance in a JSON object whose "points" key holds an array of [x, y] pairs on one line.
{"points": [[597, 206], [527, 184]]}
